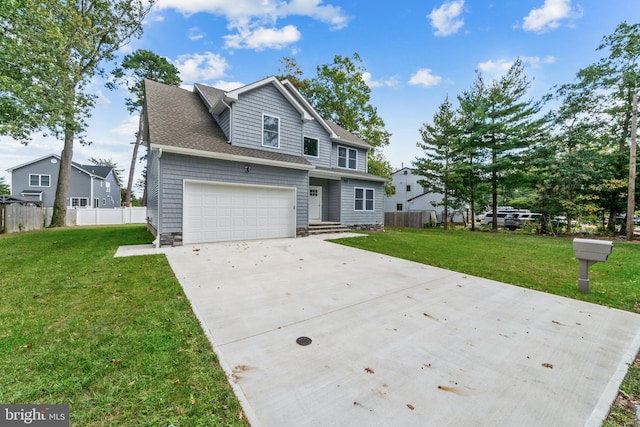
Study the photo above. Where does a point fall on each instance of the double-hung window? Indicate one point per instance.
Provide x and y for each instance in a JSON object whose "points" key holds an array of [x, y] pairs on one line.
{"points": [[363, 199], [310, 147], [270, 131], [36, 180], [347, 158], [79, 202], [108, 187]]}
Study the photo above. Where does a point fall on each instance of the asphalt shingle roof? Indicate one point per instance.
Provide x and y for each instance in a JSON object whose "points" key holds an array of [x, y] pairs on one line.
{"points": [[180, 118]]}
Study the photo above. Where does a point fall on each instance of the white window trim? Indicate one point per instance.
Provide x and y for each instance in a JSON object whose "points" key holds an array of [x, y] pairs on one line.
{"points": [[347, 158], [317, 146], [39, 175], [364, 199], [107, 187], [87, 205], [262, 124]]}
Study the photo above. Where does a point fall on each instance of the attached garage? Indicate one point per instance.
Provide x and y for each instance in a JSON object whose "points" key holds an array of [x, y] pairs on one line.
{"points": [[218, 212]]}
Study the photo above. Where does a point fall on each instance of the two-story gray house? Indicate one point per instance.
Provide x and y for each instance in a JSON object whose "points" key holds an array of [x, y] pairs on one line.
{"points": [[89, 186], [252, 163]]}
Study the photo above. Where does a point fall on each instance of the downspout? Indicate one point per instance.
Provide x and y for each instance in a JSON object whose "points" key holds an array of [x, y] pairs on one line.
{"points": [[91, 192]]}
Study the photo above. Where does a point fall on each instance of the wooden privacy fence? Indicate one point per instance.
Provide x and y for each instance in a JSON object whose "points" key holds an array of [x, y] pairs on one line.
{"points": [[416, 219], [15, 217]]}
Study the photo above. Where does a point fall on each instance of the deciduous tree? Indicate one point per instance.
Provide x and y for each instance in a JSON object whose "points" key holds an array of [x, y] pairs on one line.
{"points": [[132, 72], [55, 47]]}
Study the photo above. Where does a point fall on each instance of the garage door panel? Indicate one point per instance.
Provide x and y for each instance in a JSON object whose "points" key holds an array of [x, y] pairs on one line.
{"points": [[216, 212]]}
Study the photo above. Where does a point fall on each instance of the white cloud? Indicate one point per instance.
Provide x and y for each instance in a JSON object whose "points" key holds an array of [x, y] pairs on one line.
{"points": [[494, 68], [255, 20], [203, 67], [497, 68], [390, 82], [550, 15], [195, 33], [536, 61], [261, 38], [446, 19], [424, 77], [128, 126], [227, 86]]}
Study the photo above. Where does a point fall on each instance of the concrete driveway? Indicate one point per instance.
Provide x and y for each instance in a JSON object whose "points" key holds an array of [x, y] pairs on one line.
{"points": [[395, 342]]}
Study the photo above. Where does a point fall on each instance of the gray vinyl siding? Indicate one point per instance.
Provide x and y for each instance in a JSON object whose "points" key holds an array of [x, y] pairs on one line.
{"points": [[80, 184], [335, 201], [176, 168], [349, 215], [152, 189], [20, 179], [223, 120], [361, 157], [111, 198], [247, 120], [313, 129]]}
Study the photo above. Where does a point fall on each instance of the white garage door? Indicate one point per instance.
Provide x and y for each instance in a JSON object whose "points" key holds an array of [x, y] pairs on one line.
{"points": [[218, 212]]}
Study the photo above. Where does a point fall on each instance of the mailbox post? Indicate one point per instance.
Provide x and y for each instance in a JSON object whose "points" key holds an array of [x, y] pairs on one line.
{"points": [[588, 252]]}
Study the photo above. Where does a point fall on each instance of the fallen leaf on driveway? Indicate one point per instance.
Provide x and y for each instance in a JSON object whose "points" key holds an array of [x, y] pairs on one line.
{"points": [[369, 371]]}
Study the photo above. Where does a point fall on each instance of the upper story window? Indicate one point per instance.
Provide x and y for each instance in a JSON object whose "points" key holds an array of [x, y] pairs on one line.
{"points": [[347, 158], [36, 180], [408, 188], [270, 131], [108, 187], [310, 147]]}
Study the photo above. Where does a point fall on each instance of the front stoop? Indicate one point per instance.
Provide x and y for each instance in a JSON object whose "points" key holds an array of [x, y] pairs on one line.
{"points": [[327, 227]]}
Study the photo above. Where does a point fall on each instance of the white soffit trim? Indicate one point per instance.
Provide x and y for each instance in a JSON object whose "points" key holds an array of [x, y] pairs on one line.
{"points": [[316, 173], [231, 157]]}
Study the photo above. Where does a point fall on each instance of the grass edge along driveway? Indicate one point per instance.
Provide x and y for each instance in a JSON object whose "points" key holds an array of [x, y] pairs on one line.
{"points": [[116, 339], [537, 262]]}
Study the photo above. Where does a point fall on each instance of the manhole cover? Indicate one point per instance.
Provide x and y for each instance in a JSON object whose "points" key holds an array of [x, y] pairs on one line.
{"points": [[304, 341]]}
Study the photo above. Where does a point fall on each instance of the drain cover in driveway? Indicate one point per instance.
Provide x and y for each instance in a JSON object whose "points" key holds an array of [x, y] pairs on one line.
{"points": [[304, 341]]}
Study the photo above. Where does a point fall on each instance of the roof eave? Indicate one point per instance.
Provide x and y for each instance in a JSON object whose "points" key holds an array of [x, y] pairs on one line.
{"points": [[231, 157]]}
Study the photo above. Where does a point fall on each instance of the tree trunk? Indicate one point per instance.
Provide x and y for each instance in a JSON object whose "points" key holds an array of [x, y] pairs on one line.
{"points": [[445, 213], [134, 158], [62, 188], [631, 201]]}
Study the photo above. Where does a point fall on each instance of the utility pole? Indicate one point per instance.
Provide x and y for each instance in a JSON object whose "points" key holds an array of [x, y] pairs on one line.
{"points": [[631, 202]]}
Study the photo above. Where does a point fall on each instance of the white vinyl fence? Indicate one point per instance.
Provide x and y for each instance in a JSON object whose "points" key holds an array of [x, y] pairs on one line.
{"points": [[135, 215]]}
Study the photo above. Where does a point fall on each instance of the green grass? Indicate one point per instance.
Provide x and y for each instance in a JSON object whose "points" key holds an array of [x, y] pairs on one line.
{"points": [[536, 262], [114, 338]]}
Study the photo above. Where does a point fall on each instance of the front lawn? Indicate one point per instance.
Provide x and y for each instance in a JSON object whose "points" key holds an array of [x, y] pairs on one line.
{"points": [[114, 338], [537, 262]]}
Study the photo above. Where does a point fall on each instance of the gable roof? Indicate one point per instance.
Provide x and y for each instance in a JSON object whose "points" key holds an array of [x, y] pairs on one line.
{"points": [[218, 100], [335, 131], [179, 121], [91, 170]]}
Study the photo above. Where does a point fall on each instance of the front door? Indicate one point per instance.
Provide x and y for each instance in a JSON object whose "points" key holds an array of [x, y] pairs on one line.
{"points": [[315, 203]]}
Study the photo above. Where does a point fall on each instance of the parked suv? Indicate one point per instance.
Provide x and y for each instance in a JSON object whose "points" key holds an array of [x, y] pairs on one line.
{"points": [[516, 220]]}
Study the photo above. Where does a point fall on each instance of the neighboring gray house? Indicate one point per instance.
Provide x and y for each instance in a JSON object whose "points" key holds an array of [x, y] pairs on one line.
{"points": [[255, 162], [89, 186], [411, 196]]}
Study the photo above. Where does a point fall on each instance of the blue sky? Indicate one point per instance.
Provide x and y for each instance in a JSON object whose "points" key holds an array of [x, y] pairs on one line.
{"points": [[415, 53]]}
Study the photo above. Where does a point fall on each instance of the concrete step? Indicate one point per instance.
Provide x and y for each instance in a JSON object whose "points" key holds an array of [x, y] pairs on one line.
{"points": [[327, 227]]}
